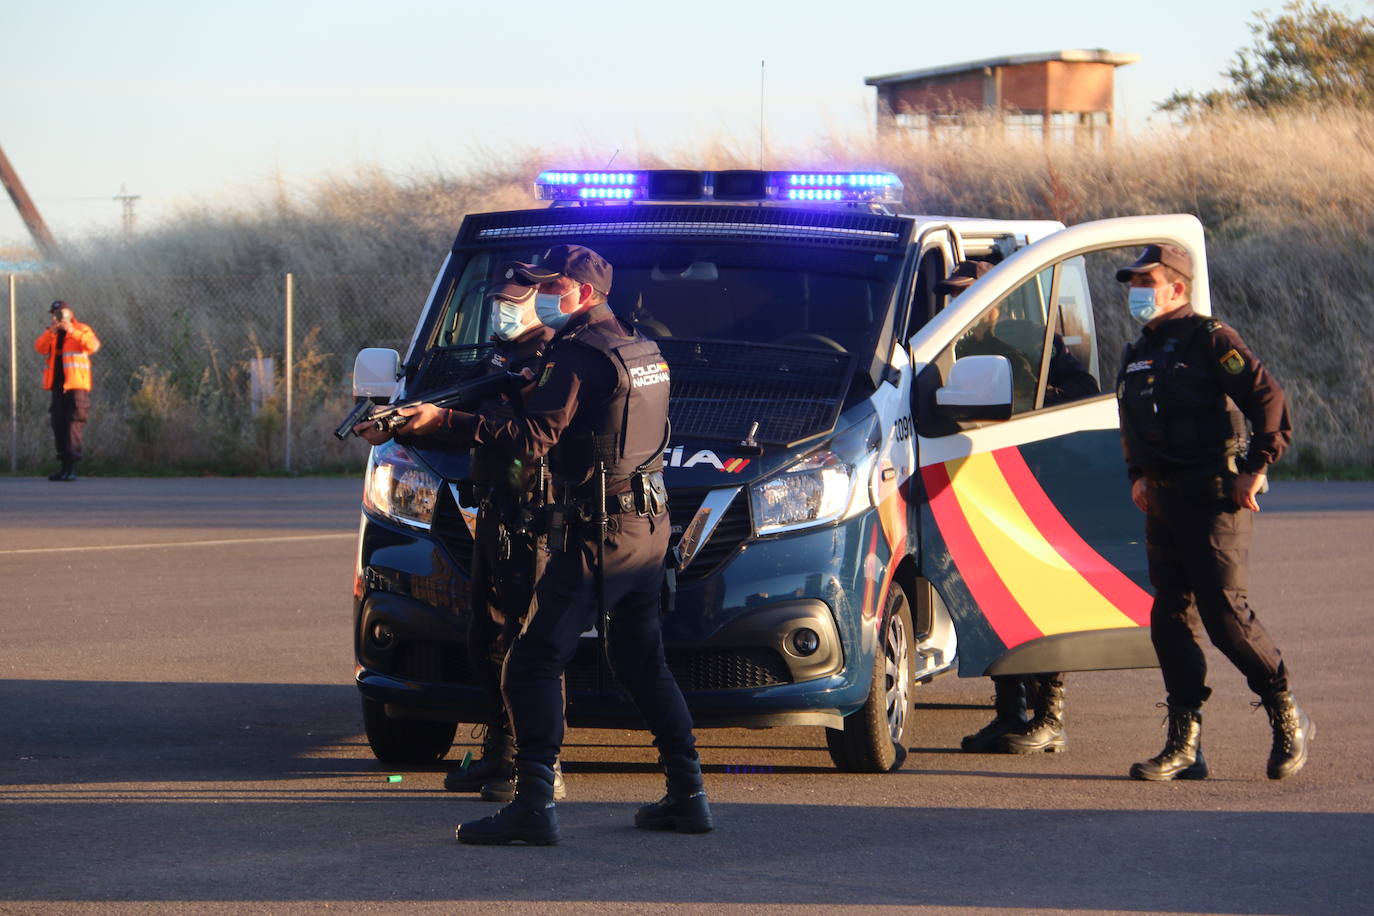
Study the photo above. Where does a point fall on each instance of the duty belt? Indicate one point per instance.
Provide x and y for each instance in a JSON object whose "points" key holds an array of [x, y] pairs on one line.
{"points": [[1189, 476]]}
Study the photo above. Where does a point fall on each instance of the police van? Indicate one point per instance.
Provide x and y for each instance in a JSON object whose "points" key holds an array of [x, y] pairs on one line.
{"points": [[864, 495]]}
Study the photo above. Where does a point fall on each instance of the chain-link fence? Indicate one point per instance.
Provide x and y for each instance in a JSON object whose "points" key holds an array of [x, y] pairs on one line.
{"points": [[191, 373]]}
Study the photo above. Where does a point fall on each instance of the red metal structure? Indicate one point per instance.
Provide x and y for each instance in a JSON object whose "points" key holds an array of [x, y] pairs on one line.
{"points": [[47, 245]]}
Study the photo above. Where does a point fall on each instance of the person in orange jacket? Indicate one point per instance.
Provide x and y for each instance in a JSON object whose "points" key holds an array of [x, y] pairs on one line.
{"points": [[68, 345]]}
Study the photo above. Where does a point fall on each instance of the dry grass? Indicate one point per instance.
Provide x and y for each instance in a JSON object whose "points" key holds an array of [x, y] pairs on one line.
{"points": [[1288, 202]]}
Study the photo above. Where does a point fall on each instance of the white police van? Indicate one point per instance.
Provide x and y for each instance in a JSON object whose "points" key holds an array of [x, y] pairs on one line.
{"points": [[866, 493]]}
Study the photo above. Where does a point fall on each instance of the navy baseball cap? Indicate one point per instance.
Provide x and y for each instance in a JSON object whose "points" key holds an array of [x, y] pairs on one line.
{"points": [[962, 276], [1170, 256]]}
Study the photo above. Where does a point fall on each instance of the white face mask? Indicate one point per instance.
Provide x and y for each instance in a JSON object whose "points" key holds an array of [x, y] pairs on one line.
{"points": [[1141, 301], [549, 308], [509, 320]]}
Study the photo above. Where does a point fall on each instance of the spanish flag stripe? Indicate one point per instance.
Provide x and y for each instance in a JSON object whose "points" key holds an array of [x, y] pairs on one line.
{"points": [[1000, 608], [1115, 586], [1054, 595]]}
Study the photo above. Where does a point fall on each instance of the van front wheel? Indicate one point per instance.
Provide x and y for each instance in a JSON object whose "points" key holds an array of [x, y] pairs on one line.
{"points": [[874, 737], [399, 741]]}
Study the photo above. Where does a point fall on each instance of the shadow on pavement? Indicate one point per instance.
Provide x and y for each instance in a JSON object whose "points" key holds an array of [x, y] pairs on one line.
{"points": [[117, 792]]}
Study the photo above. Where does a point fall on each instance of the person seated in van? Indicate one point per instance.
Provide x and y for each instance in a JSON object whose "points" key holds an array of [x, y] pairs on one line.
{"points": [[1067, 379], [1011, 730]]}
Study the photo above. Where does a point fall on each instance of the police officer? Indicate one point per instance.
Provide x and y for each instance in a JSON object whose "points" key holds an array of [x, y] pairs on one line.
{"points": [[507, 555], [599, 412], [1012, 729], [1186, 388]]}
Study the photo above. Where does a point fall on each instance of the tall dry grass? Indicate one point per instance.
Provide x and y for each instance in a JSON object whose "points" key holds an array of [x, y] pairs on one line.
{"points": [[1288, 202]]}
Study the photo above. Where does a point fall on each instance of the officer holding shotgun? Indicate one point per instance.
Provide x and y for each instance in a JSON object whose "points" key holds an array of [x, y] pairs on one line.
{"points": [[599, 411], [510, 492]]}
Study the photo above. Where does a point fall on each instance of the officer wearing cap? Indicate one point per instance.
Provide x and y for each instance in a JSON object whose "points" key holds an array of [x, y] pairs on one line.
{"points": [[1186, 388], [599, 412], [1012, 730], [508, 489]]}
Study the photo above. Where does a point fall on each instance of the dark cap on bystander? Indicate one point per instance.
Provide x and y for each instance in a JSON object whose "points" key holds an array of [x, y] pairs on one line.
{"points": [[1170, 256]]}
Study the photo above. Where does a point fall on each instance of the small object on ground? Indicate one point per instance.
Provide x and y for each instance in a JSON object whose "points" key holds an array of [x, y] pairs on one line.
{"points": [[394, 778]]}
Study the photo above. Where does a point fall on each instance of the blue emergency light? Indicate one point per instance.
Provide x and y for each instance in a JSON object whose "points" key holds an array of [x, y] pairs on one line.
{"points": [[564, 186]]}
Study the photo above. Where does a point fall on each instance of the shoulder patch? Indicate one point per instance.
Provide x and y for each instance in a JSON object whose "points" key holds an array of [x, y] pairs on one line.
{"points": [[1233, 362], [1213, 326]]}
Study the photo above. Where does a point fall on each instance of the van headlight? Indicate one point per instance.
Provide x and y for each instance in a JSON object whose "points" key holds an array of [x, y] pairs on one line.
{"points": [[398, 487], [822, 487]]}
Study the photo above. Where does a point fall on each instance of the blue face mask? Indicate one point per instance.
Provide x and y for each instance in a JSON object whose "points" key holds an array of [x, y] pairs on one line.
{"points": [[509, 320], [548, 306], [1141, 302]]}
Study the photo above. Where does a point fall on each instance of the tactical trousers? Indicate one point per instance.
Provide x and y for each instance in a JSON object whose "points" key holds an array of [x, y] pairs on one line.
{"points": [[502, 591], [69, 410], [1198, 553], [566, 607]]}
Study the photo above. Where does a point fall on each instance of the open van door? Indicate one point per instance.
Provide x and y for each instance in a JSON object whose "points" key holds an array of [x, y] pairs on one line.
{"points": [[1027, 531]]}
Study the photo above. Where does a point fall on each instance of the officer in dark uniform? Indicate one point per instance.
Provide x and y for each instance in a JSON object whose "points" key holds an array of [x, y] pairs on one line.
{"points": [[1186, 388], [508, 555], [599, 412], [1012, 729]]}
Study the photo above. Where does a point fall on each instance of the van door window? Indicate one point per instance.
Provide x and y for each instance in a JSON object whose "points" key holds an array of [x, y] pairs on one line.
{"points": [[1014, 327]]}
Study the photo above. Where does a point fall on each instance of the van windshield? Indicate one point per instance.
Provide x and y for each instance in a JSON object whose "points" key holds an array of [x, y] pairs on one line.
{"points": [[758, 293]]}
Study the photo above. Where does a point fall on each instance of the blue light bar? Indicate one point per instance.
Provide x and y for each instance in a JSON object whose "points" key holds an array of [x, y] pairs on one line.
{"points": [[604, 186], [831, 187], [598, 185]]}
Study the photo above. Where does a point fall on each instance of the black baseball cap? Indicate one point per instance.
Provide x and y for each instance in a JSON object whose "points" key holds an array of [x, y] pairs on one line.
{"points": [[58, 305], [962, 276], [572, 261], [510, 286], [1170, 256]]}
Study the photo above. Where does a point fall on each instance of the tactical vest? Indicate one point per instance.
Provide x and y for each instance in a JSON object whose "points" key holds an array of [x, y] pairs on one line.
{"points": [[1176, 415], [628, 430]]}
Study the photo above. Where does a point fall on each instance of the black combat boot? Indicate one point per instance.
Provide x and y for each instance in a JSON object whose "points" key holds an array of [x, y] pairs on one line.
{"points": [[1009, 704], [502, 788], [684, 808], [65, 472], [1293, 732], [530, 818], [1046, 731], [1182, 755], [497, 762]]}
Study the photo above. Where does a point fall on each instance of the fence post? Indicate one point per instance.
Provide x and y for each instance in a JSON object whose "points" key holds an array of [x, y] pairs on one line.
{"points": [[14, 384], [288, 369]]}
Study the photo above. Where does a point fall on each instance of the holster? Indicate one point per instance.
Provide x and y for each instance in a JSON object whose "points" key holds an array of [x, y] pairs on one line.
{"points": [[649, 495]]}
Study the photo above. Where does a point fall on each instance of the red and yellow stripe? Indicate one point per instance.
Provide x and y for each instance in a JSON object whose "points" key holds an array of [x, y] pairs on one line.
{"points": [[1029, 571]]}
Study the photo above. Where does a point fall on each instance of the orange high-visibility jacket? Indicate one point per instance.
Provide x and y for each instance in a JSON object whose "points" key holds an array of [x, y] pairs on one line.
{"points": [[77, 348]]}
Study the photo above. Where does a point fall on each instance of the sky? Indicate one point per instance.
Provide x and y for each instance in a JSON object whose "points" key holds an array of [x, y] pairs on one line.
{"points": [[191, 105]]}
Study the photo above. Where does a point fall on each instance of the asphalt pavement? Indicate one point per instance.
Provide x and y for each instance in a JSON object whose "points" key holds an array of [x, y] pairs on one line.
{"points": [[179, 731]]}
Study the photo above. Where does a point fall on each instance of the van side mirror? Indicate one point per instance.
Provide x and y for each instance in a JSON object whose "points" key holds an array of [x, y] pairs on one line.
{"points": [[979, 388], [375, 371]]}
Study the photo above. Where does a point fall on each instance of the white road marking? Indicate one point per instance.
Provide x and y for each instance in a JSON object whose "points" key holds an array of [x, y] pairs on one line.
{"points": [[215, 543]]}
